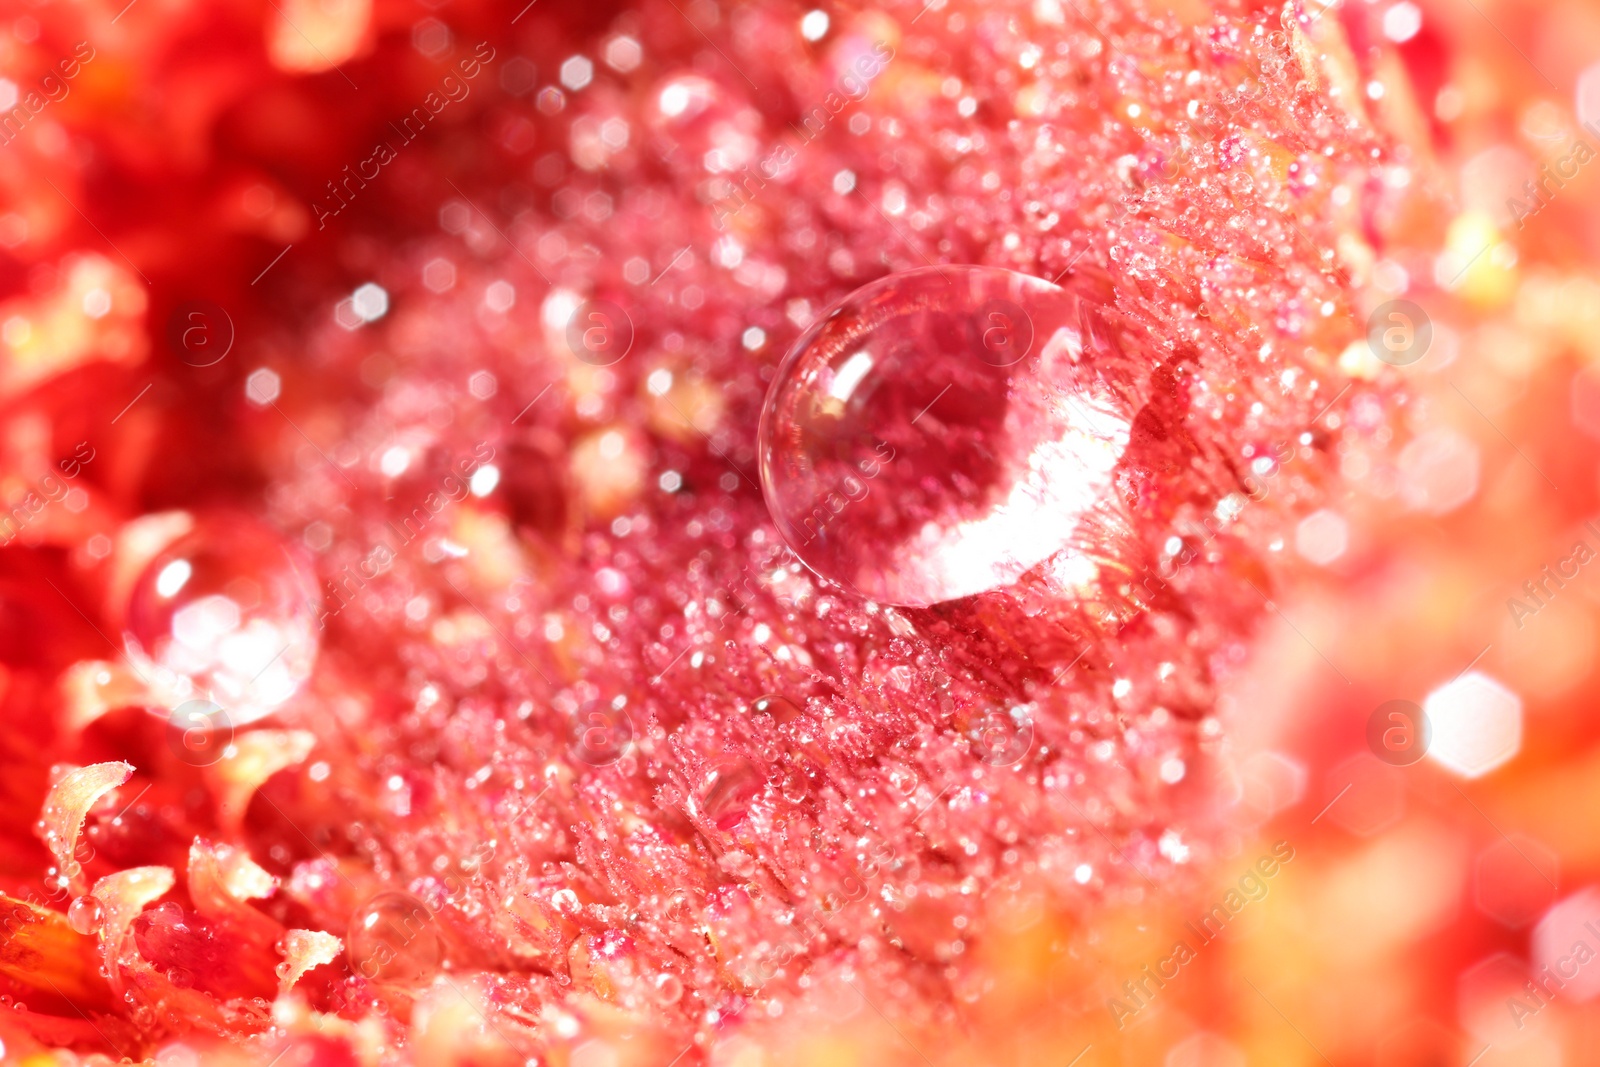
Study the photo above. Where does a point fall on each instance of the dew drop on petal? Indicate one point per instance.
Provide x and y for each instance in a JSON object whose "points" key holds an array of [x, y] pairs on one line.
{"points": [[85, 915], [669, 988], [941, 431], [392, 940], [795, 787], [781, 708], [726, 790], [225, 613]]}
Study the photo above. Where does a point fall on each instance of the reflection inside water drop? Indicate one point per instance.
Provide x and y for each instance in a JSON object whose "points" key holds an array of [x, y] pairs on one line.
{"points": [[225, 613], [726, 791], [940, 432]]}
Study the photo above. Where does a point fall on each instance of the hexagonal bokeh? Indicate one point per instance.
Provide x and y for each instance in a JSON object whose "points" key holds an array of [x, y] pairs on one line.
{"points": [[1477, 724], [1438, 471], [430, 37], [1567, 941], [263, 386], [1514, 880], [439, 275], [1371, 795], [577, 72], [1322, 537], [1487, 995], [1270, 782]]}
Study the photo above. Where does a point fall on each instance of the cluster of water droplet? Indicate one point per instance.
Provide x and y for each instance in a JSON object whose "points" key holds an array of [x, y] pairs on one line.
{"points": [[558, 657]]}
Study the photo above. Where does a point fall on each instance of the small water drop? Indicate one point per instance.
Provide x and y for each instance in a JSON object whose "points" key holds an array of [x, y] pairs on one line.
{"points": [[669, 988], [942, 431], [392, 940], [85, 915], [167, 913], [726, 790], [781, 708], [796, 786]]}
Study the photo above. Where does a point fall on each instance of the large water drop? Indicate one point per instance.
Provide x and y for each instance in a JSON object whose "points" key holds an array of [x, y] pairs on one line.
{"points": [[225, 613], [727, 790], [392, 940], [941, 431]]}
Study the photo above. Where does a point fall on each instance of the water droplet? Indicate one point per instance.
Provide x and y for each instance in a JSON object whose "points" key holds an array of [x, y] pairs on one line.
{"points": [[669, 988], [781, 708], [225, 613], [85, 915], [1002, 737], [942, 431], [392, 940], [796, 786], [727, 789], [167, 913]]}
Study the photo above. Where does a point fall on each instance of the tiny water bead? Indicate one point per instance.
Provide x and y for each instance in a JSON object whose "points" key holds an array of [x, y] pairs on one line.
{"points": [[225, 613], [392, 940], [941, 431]]}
